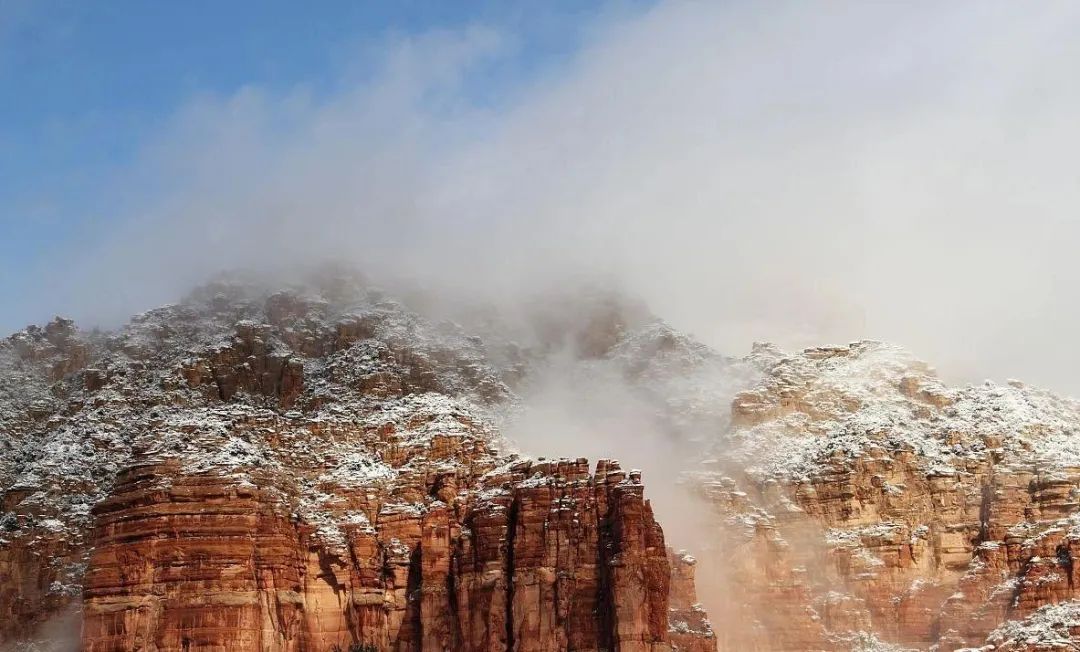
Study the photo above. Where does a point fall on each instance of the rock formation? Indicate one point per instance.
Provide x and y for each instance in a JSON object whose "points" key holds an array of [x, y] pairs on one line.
{"points": [[529, 556], [856, 493], [322, 468], [316, 469]]}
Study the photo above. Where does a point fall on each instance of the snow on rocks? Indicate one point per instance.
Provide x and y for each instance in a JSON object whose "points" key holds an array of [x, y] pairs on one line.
{"points": [[1052, 627], [845, 402]]}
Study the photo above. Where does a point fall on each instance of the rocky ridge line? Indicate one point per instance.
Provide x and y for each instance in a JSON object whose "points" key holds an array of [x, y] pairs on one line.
{"points": [[856, 493], [307, 469]]}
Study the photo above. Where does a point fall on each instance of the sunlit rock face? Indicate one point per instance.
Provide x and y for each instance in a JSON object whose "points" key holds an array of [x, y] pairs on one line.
{"points": [[864, 504], [313, 469], [321, 468], [464, 555]]}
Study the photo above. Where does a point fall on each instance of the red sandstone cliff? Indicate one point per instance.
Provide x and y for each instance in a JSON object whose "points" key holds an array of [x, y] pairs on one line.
{"points": [[862, 504], [301, 470], [539, 556], [309, 472], [531, 556]]}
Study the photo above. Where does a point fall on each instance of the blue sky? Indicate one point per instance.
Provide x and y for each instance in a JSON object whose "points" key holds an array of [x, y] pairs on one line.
{"points": [[790, 171], [85, 85]]}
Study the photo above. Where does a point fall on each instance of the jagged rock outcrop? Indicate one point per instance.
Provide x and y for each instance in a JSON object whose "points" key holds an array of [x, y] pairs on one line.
{"points": [[310, 470], [857, 493], [1052, 628]]}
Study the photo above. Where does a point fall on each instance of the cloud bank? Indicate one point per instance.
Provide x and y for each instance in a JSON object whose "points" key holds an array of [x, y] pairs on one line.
{"points": [[794, 172]]}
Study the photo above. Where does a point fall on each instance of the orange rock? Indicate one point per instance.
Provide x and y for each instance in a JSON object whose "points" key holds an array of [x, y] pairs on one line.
{"points": [[550, 558]]}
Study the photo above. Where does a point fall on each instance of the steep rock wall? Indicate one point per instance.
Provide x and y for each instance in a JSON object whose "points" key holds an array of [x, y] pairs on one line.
{"points": [[540, 556]]}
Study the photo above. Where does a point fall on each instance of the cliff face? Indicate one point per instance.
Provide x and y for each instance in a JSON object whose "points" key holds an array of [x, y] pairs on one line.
{"points": [[856, 493], [538, 556], [309, 470], [322, 468]]}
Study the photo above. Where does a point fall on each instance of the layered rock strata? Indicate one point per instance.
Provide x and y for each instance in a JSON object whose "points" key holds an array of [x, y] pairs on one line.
{"points": [[316, 469], [538, 556], [856, 493]]}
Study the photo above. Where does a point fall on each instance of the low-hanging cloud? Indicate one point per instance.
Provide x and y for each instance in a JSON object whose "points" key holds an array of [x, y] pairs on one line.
{"points": [[795, 172]]}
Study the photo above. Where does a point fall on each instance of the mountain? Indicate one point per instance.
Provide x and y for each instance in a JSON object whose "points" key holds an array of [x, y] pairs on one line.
{"points": [[857, 497], [313, 469], [329, 466]]}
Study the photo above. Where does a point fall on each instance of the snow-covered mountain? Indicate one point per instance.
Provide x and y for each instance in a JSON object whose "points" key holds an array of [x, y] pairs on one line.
{"points": [[330, 464]]}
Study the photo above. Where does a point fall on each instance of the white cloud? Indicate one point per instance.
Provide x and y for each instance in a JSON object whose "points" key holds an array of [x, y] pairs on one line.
{"points": [[788, 171]]}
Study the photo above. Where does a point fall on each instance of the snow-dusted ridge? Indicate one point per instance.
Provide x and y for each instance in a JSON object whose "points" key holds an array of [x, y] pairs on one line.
{"points": [[853, 400], [333, 389]]}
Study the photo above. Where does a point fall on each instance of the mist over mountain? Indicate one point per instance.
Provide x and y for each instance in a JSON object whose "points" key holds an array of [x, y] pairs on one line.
{"points": [[382, 445], [652, 327], [776, 173]]}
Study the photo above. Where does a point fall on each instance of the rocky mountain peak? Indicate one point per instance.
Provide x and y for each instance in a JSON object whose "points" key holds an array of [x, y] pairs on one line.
{"points": [[323, 463], [317, 466]]}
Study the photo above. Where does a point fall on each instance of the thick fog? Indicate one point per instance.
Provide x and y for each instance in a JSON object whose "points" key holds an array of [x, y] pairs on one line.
{"points": [[796, 172]]}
